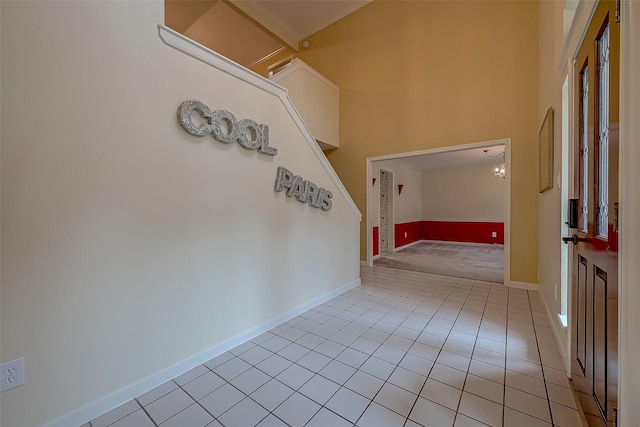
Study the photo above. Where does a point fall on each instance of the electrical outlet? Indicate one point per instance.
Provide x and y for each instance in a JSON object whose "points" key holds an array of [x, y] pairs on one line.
{"points": [[405, 234], [11, 374], [494, 234]]}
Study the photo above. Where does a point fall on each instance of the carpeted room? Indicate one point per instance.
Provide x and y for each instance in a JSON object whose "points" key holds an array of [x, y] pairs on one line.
{"points": [[441, 211]]}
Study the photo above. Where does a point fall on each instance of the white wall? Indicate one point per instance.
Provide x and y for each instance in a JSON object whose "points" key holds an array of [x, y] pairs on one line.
{"points": [[406, 205], [129, 246], [316, 98], [469, 193]]}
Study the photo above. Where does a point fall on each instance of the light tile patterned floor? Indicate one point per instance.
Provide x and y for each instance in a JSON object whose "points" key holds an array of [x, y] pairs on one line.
{"points": [[403, 349]]}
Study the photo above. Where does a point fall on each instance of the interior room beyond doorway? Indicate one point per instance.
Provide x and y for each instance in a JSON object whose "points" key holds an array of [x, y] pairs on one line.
{"points": [[442, 211]]}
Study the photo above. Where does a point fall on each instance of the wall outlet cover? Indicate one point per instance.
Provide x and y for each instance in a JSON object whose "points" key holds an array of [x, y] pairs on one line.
{"points": [[11, 374]]}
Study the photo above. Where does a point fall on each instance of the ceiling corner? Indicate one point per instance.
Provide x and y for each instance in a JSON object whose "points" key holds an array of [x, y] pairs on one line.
{"points": [[262, 17]]}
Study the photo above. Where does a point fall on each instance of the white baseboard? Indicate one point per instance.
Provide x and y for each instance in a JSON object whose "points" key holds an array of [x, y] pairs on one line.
{"points": [[449, 242], [522, 285], [559, 333], [113, 400], [408, 245]]}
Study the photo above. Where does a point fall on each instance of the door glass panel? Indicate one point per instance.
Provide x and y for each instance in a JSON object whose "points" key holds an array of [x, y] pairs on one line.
{"points": [[584, 149], [602, 220]]}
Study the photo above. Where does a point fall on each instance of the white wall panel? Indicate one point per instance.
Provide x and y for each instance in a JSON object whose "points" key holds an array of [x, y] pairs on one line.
{"points": [[128, 246]]}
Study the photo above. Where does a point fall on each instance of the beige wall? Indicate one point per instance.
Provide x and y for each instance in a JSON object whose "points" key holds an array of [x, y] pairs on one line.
{"points": [[419, 75], [463, 194], [129, 246], [549, 209]]}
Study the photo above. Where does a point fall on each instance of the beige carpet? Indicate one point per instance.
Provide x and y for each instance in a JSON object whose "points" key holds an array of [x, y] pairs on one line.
{"points": [[480, 262]]}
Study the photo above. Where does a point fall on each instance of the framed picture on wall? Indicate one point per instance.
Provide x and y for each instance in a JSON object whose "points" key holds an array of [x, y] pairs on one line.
{"points": [[545, 142]]}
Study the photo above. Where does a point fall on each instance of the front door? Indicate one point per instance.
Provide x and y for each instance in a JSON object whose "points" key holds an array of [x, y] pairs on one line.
{"points": [[595, 256]]}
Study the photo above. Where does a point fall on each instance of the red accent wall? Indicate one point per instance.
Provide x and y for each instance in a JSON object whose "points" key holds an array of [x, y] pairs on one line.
{"points": [[376, 241], [473, 232], [413, 232], [450, 231]]}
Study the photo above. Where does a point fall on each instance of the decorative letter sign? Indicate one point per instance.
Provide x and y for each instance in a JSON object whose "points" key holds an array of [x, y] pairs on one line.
{"points": [[304, 191], [225, 127]]}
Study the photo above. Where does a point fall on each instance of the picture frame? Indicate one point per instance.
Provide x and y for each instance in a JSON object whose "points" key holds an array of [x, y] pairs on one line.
{"points": [[545, 147]]}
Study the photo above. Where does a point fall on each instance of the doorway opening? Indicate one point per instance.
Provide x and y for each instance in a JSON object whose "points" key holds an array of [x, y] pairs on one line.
{"points": [[420, 220]]}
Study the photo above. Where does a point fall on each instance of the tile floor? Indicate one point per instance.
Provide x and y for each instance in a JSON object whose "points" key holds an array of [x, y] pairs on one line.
{"points": [[403, 349]]}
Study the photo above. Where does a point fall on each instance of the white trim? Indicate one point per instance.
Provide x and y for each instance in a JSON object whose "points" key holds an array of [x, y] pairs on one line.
{"points": [[579, 25], [109, 402], [368, 256], [297, 64], [206, 55], [559, 332], [507, 201], [408, 245], [564, 320], [522, 285], [452, 242], [496, 221], [445, 242], [507, 214], [570, 184], [629, 250], [447, 149]]}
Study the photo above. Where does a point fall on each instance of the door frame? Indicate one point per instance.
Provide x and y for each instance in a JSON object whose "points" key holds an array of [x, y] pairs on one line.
{"points": [[507, 214]]}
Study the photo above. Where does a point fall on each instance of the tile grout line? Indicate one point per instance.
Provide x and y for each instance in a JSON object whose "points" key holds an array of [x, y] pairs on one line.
{"points": [[544, 378], [375, 299]]}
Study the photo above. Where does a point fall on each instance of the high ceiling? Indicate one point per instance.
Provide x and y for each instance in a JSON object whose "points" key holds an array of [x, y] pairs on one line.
{"points": [[488, 156], [252, 31], [293, 20]]}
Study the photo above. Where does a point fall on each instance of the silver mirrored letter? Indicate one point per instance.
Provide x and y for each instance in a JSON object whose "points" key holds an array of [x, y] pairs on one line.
{"points": [[284, 179], [327, 204], [297, 188], [218, 117], [249, 134], [264, 142], [311, 194], [184, 117]]}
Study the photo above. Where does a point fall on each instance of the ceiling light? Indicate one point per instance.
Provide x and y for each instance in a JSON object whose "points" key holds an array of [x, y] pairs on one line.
{"points": [[499, 171]]}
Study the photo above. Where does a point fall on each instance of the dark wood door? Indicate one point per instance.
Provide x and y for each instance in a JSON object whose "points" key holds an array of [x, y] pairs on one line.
{"points": [[595, 256]]}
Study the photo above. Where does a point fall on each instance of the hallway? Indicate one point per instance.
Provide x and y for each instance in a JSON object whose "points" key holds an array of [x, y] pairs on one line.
{"points": [[403, 349]]}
